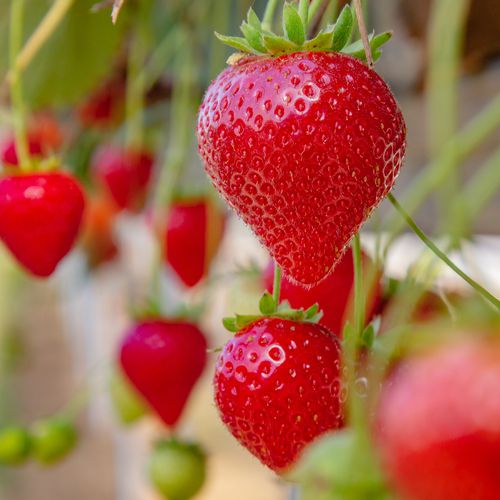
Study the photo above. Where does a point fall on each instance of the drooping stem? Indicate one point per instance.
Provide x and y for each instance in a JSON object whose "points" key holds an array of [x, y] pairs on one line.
{"points": [[16, 84], [431, 245], [363, 32], [44, 30], [267, 21], [277, 284]]}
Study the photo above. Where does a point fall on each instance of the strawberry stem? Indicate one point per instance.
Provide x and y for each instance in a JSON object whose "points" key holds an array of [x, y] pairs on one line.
{"points": [[277, 284], [441, 255], [267, 21], [359, 299], [16, 84]]}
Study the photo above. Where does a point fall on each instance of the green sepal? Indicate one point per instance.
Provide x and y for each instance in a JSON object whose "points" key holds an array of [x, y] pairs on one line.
{"points": [[342, 30], [267, 304], [357, 50], [304, 12], [293, 26], [253, 19], [230, 324], [368, 336], [253, 36], [322, 42], [278, 45], [237, 42]]}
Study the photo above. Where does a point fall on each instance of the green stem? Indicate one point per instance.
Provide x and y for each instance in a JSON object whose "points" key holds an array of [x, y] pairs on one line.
{"points": [[430, 244], [267, 20], [450, 157], [277, 284], [363, 32], [359, 299], [16, 84]]}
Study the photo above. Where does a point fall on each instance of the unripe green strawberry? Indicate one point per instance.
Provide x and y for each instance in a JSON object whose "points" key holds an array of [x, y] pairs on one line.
{"points": [[53, 439], [177, 470], [126, 402], [15, 445]]}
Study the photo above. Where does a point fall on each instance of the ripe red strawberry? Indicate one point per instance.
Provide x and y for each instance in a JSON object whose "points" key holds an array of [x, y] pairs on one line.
{"points": [[163, 359], [124, 174], [303, 146], [97, 236], [277, 386], [193, 235], [8, 152], [40, 214], [438, 424], [104, 107], [333, 294]]}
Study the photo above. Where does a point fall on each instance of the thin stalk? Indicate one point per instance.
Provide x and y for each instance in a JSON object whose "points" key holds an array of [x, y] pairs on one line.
{"points": [[16, 84], [430, 244], [267, 20], [363, 32], [277, 284], [359, 299]]}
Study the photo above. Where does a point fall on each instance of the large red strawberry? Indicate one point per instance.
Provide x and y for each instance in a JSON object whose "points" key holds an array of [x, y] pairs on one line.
{"points": [[125, 174], [302, 143], [40, 215], [334, 293], [438, 424], [163, 359], [277, 387], [193, 235]]}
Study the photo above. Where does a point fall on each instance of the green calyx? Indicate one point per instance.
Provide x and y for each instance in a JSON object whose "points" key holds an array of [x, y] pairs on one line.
{"points": [[269, 308], [259, 41]]}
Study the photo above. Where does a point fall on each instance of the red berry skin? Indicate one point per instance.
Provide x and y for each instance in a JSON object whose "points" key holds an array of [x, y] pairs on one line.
{"points": [[124, 174], [194, 232], [277, 386], [40, 216], [438, 424], [163, 359], [303, 147], [8, 152], [333, 294]]}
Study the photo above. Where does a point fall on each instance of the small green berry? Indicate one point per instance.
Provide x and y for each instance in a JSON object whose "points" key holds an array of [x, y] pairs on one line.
{"points": [[126, 402], [53, 439], [15, 445]]}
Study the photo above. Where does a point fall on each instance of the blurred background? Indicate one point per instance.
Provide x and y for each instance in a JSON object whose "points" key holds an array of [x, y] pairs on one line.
{"points": [[95, 85]]}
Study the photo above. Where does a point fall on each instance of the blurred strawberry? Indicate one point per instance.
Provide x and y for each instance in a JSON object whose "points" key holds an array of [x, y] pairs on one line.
{"points": [[437, 424], [334, 293], [193, 235], [104, 107], [163, 359], [97, 238], [124, 174], [44, 136]]}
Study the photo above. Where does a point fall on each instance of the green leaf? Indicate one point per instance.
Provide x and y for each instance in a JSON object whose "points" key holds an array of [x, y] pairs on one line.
{"points": [[293, 25], [253, 19], [343, 29], [304, 11], [322, 41], [253, 36], [368, 336], [311, 311], [267, 304], [236, 42], [357, 50], [230, 324], [78, 55], [243, 320], [277, 44]]}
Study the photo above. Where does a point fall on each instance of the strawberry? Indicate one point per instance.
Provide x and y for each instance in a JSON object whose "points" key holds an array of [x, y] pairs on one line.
{"points": [[438, 424], [123, 174], [334, 294], [163, 359], [177, 470], [40, 215], [193, 235], [277, 387], [44, 136], [104, 107], [303, 144], [97, 238]]}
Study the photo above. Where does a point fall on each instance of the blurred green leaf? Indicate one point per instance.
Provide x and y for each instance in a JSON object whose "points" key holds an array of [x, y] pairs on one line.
{"points": [[79, 53]]}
